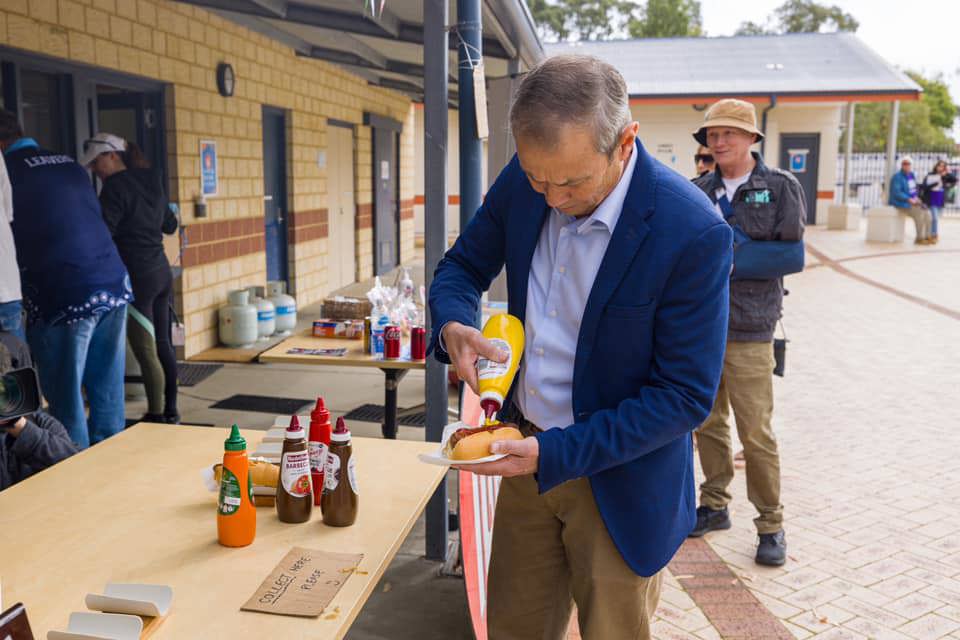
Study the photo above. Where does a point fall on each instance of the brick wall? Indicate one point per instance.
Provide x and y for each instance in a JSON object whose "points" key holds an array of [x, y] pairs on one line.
{"points": [[181, 45]]}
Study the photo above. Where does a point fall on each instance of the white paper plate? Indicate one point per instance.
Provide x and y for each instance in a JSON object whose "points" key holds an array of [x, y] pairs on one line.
{"points": [[437, 457]]}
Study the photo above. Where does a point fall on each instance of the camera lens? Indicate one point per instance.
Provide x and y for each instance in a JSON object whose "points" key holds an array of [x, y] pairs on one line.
{"points": [[11, 396]]}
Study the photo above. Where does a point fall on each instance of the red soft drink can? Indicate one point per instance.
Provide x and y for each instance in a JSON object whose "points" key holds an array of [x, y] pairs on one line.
{"points": [[391, 342], [418, 343]]}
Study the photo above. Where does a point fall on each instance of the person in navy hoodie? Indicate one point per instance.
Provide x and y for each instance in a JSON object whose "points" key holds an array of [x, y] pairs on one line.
{"points": [[75, 287], [619, 269]]}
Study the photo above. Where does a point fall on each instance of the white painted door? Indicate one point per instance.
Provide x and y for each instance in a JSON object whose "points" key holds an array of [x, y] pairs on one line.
{"points": [[342, 212]]}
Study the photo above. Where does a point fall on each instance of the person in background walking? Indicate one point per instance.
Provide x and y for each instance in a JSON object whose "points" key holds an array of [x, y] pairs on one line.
{"points": [[75, 287], [935, 186], [704, 160], [905, 196], [135, 209]]}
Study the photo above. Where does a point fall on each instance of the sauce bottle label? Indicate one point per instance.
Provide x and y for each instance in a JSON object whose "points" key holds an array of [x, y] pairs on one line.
{"points": [[229, 500], [352, 474], [331, 473], [318, 456], [488, 369], [295, 473]]}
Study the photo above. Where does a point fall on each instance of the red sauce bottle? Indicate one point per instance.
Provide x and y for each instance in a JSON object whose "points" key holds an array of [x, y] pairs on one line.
{"points": [[339, 502], [318, 446]]}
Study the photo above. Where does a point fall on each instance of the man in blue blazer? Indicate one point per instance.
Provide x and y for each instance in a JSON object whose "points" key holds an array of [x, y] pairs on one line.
{"points": [[619, 269]]}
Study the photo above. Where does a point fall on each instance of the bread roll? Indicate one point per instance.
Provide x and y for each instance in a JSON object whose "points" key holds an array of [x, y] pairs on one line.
{"points": [[472, 446]]}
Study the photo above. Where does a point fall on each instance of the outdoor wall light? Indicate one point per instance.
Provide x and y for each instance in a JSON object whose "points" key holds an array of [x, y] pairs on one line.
{"points": [[226, 80]]}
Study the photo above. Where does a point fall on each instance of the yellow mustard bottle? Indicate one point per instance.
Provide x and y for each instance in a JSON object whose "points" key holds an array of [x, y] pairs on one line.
{"points": [[495, 378]]}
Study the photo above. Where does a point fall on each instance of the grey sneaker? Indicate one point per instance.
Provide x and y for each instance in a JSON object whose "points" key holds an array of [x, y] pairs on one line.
{"points": [[710, 520], [772, 550]]}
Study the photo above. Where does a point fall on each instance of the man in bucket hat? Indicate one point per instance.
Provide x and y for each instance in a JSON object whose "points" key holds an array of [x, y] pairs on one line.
{"points": [[767, 204]]}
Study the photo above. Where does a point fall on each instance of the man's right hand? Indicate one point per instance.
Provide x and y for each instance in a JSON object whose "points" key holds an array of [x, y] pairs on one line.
{"points": [[466, 344]]}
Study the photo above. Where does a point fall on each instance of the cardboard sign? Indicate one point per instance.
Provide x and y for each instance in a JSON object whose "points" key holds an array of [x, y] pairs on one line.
{"points": [[303, 583]]}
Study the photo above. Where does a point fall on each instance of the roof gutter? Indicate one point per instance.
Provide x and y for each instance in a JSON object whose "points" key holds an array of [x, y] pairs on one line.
{"points": [[763, 121], [517, 21]]}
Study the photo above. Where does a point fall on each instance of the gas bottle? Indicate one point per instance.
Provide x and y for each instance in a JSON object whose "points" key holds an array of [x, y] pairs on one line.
{"points": [[286, 306], [266, 313], [238, 320]]}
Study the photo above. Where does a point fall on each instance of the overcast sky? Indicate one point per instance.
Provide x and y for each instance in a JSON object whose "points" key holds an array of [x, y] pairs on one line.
{"points": [[920, 35]]}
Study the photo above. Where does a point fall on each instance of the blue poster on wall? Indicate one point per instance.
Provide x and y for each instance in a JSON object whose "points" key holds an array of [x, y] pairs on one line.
{"points": [[208, 167], [798, 160]]}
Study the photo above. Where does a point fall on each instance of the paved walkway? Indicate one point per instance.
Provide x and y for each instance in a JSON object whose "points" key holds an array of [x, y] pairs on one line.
{"points": [[867, 418]]}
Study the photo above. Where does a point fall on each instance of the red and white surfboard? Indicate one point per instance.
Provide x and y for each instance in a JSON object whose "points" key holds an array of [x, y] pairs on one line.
{"points": [[478, 498]]}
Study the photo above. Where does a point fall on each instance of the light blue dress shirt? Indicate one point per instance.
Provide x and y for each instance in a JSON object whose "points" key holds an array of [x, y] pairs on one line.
{"points": [[565, 264]]}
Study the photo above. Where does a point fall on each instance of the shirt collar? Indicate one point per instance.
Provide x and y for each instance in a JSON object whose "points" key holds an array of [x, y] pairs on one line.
{"points": [[608, 211], [22, 143]]}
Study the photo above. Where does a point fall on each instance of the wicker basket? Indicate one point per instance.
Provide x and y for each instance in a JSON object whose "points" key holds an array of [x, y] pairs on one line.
{"points": [[346, 308]]}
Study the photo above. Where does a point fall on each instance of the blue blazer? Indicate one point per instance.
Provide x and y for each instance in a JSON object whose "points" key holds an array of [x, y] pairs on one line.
{"points": [[649, 353]]}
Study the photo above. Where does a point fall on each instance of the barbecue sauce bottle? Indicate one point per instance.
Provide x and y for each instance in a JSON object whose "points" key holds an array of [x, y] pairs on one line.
{"points": [[294, 491], [339, 502]]}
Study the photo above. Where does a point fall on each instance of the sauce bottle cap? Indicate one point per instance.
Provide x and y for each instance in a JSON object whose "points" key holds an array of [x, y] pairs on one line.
{"points": [[320, 410], [490, 407], [340, 433], [235, 442], [294, 431]]}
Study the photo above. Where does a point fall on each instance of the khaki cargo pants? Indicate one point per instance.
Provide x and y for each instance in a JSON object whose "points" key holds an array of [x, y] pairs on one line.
{"points": [[551, 550], [747, 386]]}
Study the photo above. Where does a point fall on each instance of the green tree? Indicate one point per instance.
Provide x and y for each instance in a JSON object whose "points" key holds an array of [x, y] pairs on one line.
{"points": [[803, 16], [668, 19], [936, 94], [559, 20]]}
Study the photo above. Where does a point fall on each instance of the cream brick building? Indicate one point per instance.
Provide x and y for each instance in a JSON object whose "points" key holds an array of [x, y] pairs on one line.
{"points": [[67, 55]]}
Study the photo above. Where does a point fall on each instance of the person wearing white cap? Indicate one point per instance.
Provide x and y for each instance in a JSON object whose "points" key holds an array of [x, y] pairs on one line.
{"points": [[136, 211], [905, 196]]}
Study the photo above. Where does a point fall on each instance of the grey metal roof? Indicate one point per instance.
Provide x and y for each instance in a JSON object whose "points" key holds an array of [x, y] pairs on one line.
{"points": [[801, 63]]}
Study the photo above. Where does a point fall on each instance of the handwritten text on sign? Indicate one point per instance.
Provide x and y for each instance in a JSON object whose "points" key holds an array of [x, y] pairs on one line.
{"points": [[303, 583]]}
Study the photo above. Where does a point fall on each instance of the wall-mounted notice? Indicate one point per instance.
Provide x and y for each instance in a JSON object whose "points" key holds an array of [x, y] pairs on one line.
{"points": [[209, 182]]}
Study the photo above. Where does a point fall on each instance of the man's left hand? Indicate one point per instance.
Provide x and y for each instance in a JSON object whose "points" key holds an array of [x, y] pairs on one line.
{"points": [[522, 459]]}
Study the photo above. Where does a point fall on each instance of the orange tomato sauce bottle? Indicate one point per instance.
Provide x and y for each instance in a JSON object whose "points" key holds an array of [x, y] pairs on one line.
{"points": [[236, 515]]}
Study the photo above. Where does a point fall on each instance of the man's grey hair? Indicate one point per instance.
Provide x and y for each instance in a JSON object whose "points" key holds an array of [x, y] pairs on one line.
{"points": [[571, 89]]}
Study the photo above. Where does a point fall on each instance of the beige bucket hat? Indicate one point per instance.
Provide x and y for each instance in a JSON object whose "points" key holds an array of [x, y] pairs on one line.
{"points": [[729, 113]]}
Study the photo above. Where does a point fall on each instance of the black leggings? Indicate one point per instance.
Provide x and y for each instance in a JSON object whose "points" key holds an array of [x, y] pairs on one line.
{"points": [[148, 330]]}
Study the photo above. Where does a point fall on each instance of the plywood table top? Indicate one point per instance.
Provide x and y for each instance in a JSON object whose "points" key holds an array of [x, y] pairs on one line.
{"points": [[134, 509], [354, 357]]}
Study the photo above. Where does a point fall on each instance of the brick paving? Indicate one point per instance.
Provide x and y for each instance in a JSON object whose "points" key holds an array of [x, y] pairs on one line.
{"points": [[867, 419]]}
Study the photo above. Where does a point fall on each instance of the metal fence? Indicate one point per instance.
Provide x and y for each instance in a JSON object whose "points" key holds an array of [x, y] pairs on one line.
{"points": [[868, 179]]}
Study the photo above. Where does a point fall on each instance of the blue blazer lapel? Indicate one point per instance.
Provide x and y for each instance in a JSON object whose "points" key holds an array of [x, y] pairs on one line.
{"points": [[626, 241]]}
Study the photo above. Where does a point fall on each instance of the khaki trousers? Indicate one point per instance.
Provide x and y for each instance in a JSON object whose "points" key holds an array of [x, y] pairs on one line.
{"points": [[747, 386], [552, 550], [922, 219]]}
